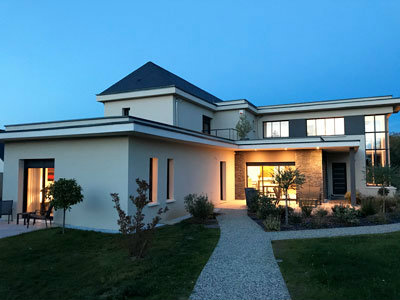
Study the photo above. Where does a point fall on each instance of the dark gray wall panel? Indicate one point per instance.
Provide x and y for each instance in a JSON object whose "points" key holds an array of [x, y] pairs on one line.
{"points": [[354, 125], [298, 128]]}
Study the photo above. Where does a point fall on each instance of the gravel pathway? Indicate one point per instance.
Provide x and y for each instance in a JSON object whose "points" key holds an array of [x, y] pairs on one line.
{"points": [[242, 265]]}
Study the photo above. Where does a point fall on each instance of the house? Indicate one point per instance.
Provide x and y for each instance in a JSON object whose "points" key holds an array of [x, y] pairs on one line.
{"points": [[181, 139]]}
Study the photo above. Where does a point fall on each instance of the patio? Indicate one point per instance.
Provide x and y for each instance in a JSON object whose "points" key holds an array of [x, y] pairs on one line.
{"points": [[14, 229]]}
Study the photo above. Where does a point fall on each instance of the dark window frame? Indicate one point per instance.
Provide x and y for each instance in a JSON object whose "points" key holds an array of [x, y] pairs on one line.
{"points": [[374, 150], [125, 111], [169, 196]]}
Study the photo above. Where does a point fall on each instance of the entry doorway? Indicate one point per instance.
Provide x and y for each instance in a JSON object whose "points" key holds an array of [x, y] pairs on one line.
{"points": [[339, 180], [38, 174]]}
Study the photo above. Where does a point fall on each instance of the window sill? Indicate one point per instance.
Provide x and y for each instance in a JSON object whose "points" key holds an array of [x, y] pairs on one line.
{"points": [[378, 187], [151, 204], [170, 201]]}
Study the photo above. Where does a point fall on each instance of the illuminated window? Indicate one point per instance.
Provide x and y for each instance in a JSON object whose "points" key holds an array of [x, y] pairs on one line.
{"points": [[261, 176], [376, 134], [153, 179], [276, 129], [328, 126], [222, 179]]}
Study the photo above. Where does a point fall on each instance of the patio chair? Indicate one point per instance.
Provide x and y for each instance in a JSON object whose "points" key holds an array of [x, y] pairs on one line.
{"points": [[38, 216], [6, 207]]}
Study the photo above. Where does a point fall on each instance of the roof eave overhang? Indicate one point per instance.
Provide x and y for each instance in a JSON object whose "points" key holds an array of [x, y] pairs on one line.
{"points": [[156, 92]]}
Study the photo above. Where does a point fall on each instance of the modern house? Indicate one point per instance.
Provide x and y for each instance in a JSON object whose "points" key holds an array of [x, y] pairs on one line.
{"points": [[182, 140]]}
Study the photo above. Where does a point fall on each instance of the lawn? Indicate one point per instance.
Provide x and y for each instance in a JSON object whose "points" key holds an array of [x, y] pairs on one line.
{"points": [[359, 267], [91, 265]]}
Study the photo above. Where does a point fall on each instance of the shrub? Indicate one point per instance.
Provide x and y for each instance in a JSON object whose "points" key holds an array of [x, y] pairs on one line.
{"points": [[320, 212], [281, 210], [138, 235], [199, 206], [306, 211], [266, 207], [379, 218], [296, 218], [346, 214], [272, 223], [369, 205], [254, 203], [391, 204], [347, 196]]}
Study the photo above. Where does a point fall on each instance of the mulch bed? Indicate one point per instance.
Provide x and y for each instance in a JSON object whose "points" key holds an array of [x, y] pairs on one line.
{"points": [[328, 222]]}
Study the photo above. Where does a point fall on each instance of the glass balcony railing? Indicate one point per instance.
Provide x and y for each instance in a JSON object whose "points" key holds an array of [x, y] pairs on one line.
{"points": [[227, 133]]}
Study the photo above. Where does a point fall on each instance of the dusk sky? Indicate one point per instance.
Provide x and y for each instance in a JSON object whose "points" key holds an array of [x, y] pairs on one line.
{"points": [[56, 55]]}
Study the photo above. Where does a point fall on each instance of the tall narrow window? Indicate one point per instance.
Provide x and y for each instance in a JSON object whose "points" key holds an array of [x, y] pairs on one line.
{"points": [[376, 142], [170, 179], [125, 111], [222, 180], [206, 125], [153, 179]]}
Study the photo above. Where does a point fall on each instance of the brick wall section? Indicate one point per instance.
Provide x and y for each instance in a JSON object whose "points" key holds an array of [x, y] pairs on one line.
{"points": [[310, 164], [240, 175]]}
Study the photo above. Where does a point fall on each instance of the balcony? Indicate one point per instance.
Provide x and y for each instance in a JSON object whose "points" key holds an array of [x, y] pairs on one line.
{"points": [[226, 133]]}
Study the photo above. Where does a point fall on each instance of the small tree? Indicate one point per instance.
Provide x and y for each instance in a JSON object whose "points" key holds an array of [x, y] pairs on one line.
{"points": [[289, 179], [64, 193], [138, 234], [384, 177], [243, 127]]}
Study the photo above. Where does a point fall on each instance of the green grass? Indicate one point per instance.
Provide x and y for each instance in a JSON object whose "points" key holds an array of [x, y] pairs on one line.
{"points": [[359, 267], [91, 265]]}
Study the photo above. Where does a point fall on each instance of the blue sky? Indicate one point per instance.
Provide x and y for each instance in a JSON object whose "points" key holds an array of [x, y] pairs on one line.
{"points": [[56, 55]]}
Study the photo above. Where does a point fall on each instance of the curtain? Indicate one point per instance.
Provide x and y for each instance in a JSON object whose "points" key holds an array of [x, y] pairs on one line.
{"points": [[34, 189]]}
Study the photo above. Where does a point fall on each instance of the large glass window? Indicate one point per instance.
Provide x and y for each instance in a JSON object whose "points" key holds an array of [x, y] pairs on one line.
{"points": [[261, 177], [276, 129], [375, 141], [329, 126]]}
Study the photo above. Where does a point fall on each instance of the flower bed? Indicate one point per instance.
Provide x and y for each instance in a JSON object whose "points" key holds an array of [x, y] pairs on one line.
{"points": [[370, 211]]}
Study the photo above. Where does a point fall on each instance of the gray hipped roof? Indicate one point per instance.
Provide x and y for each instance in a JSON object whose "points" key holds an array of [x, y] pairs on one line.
{"points": [[151, 76]]}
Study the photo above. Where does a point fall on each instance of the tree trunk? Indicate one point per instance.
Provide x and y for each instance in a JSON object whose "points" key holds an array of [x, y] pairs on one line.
{"points": [[384, 204], [286, 209], [63, 222]]}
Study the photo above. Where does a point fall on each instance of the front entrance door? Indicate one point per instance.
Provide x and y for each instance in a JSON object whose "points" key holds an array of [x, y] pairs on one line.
{"points": [[339, 182]]}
